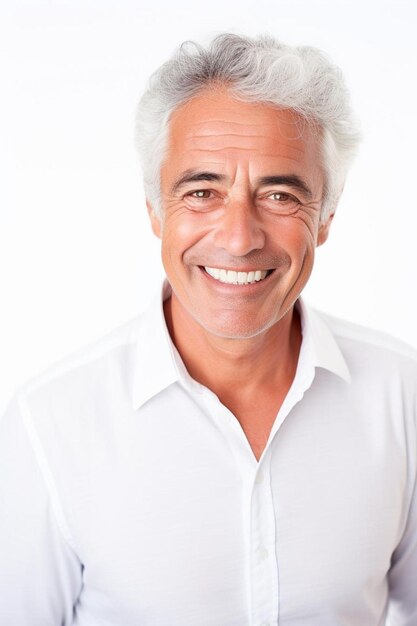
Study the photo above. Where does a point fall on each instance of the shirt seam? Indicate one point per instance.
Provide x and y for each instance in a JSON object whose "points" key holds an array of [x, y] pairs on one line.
{"points": [[380, 346], [402, 349], [58, 369], [46, 473], [411, 492]]}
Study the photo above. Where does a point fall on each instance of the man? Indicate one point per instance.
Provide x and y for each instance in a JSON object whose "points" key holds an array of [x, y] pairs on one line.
{"points": [[230, 457]]}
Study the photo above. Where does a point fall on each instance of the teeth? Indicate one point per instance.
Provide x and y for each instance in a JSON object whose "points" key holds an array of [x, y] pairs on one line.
{"points": [[236, 278]]}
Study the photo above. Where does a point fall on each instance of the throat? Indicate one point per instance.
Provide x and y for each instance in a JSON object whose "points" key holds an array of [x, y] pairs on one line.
{"points": [[237, 368], [257, 414]]}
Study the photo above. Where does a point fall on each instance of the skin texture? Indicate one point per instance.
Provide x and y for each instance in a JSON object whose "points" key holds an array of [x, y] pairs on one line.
{"points": [[240, 341]]}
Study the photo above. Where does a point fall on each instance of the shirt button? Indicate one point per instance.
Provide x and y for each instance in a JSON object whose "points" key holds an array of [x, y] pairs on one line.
{"points": [[263, 553]]}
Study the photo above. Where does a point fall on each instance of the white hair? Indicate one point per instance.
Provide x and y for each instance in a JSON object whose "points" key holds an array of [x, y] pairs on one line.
{"points": [[259, 69]]}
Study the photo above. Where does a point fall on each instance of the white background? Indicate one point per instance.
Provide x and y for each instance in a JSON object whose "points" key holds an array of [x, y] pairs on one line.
{"points": [[77, 257]]}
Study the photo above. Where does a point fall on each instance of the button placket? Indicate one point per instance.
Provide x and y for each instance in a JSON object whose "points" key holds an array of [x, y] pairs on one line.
{"points": [[264, 567]]}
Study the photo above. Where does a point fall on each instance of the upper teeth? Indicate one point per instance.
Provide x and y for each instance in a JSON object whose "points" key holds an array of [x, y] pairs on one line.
{"points": [[237, 278]]}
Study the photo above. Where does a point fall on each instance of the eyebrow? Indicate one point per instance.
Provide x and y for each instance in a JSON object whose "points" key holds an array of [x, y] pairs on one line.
{"points": [[194, 176], [291, 180]]}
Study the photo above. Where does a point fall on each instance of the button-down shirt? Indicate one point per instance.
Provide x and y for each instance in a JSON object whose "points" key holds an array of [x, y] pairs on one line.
{"points": [[130, 496]]}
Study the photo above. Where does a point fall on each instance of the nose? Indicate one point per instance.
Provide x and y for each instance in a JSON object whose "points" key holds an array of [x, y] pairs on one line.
{"points": [[239, 230]]}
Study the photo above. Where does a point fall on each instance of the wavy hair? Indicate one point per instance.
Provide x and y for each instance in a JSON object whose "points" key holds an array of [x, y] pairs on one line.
{"points": [[259, 69]]}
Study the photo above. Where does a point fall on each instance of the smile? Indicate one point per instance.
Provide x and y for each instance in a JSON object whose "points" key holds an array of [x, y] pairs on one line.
{"points": [[233, 277]]}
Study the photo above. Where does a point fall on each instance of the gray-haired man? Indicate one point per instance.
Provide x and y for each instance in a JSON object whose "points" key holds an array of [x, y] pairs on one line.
{"points": [[230, 457]]}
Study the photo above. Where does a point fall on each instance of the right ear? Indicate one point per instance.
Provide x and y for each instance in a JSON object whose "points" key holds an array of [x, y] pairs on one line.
{"points": [[155, 220]]}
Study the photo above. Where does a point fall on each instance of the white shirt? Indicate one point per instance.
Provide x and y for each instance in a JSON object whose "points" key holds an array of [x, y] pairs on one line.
{"points": [[130, 495]]}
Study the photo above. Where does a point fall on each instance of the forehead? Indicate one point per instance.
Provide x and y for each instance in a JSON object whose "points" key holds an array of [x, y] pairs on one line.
{"points": [[216, 125]]}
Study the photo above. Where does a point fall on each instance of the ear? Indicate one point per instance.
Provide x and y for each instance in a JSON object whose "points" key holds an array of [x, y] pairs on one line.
{"points": [[155, 221], [324, 229]]}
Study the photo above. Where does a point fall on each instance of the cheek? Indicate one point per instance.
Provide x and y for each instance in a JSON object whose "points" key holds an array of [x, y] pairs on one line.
{"points": [[296, 237], [181, 231]]}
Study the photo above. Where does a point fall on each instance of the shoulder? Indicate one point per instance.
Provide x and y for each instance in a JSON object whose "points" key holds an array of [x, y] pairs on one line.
{"points": [[105, 360], [364, 337], [368, 347]]}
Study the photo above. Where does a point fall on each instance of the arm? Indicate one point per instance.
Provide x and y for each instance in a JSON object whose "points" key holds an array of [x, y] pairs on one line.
{"points": [[40, 574], [402, 575]]}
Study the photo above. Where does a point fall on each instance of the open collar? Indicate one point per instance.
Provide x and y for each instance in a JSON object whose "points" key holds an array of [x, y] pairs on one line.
{"points": [[158, 363], [322, 345]]}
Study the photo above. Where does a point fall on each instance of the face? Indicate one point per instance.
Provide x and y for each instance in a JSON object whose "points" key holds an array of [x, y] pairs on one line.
{"points": [[241, 194]]}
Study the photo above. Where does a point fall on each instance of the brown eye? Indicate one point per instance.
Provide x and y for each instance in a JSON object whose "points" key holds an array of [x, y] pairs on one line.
{"points": [[202, 194], [281, 203], [280, 196]]}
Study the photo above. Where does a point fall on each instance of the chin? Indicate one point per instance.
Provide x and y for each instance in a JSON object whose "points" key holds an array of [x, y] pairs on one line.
{"points": [[235, 328]]}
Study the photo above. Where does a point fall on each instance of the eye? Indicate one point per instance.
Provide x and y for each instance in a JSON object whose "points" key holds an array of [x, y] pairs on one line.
{"points": [[201, 200], [281, 202], [280, 196], [200, 194]]}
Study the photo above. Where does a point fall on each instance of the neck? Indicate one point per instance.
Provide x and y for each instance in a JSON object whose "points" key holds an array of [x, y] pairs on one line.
{"points": [[265, 361]]}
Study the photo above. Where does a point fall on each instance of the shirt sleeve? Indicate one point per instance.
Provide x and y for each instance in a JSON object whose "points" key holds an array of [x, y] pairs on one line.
{"points": [[402, 575], [40, 573]]}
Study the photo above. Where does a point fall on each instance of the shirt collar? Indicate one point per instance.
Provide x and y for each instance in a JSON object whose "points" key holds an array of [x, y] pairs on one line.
{"points": [[158, 363], [321, 343]]}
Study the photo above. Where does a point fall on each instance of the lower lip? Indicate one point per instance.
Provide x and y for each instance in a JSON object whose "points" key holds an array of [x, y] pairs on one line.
{"points": [[232, 288]]}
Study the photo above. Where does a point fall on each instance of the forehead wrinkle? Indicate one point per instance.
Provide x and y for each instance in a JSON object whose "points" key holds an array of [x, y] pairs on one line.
{"points": [[286, 157], [290, 146], [228, 122], [230, 127], [216, 134], [296, 121], [211, 134], [206, 140], [241, 140], [236, 149]]}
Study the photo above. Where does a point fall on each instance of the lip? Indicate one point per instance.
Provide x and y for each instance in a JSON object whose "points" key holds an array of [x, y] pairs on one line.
{"points": [[238, 269], [237, 289]]}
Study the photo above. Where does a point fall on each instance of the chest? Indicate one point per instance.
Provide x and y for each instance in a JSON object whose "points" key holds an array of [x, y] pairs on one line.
{"points": [[176, 546], [171, 526], [256, 418]]}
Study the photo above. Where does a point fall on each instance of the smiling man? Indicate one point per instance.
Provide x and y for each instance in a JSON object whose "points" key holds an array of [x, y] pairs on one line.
{"points": [[242, 188], [230, 457]]}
